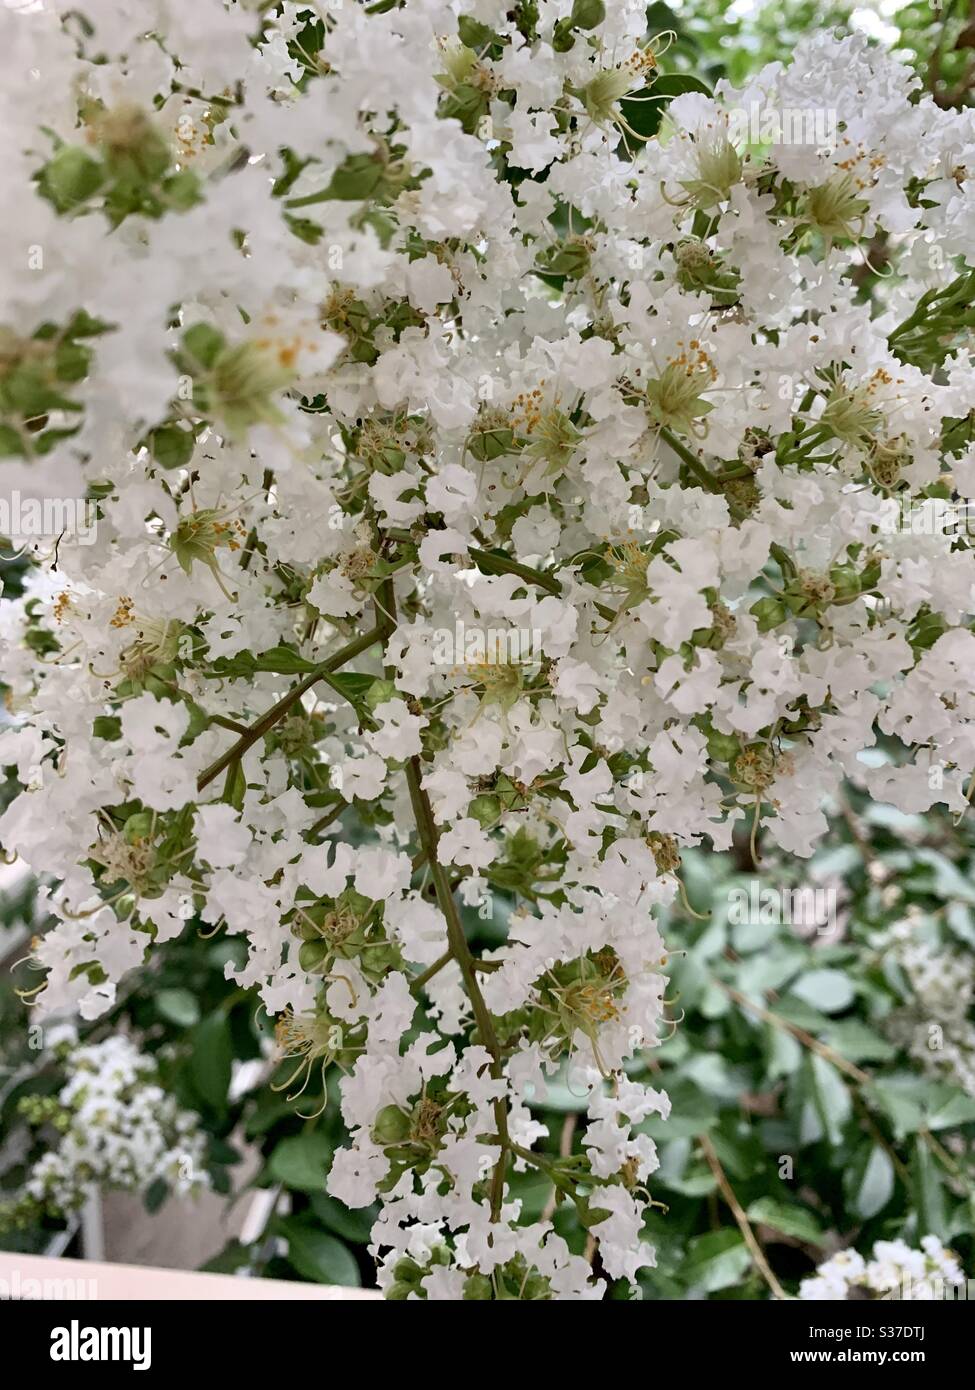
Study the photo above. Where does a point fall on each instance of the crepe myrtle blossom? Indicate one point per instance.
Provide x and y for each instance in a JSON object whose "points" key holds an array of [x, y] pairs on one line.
{"points": [[342, 374], [116, 1127], [894, 1271]]}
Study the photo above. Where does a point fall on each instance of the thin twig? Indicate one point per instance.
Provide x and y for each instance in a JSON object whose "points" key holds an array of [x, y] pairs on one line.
{"points": [[751, 1240], [828, 1053], [277, 712]]}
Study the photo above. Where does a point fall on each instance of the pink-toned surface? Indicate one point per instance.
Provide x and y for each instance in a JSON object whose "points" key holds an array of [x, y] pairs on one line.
{"points": [[36, 1276]]}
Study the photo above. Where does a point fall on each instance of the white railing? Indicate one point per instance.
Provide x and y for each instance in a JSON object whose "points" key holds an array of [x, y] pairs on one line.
{"points": [[41, 1277]]}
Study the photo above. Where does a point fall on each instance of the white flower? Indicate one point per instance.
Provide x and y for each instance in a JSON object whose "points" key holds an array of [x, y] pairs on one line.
{"points": [[221, 838]]}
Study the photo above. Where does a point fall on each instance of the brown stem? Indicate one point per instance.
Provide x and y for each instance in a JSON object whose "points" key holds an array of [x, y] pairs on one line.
{"points": [[332, 814], [459, 950], [751, 1240], [828, 1053], [429, 835], [277, 712], [425, 976]]}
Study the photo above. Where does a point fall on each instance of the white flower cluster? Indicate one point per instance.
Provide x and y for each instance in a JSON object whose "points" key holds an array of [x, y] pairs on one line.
{"points": [[935, 1026], [386, 350], [119, 1129], [894, 1270]]}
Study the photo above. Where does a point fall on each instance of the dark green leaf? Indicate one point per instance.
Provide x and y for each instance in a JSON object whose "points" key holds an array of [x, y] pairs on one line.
{"points": [[319, 1256], [302, 1161]]}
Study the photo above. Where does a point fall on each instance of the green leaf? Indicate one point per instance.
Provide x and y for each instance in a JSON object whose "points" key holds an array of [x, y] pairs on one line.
{"points": [[219, 1151], [645, 116], [903, 1108], [235, 786], [716, 1076], [827, 990], [212, 1060], [716, 1260], [179, 1006], [280, 661], [693, 1113], [356, 1226], [787, 1217], [356, 178], [302, 1160], [954, 1109], [319, 1256], [232, 1257], [560, 1098], [871, 1184], [283, 661], [858, 1043], [171, 446], [155, 1195], [929, 1194], [203, 343], [948, 880], [474, 34], [11, 444], [830, 1097]]}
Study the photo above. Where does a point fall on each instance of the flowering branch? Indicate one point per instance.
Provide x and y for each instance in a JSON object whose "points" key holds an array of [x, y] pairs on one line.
{"points": [[441, 344]]}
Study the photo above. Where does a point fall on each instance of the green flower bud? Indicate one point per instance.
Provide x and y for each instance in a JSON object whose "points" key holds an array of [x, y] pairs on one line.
{"points": [[845, 580], [376, 960], [477, 1288], [769, 613], [563, 40], [312, 954], [391, 1126], [722, 748], [485, 809], [587, 14], [138, 826], [571, 260], [71, 176], [488, 444]]}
